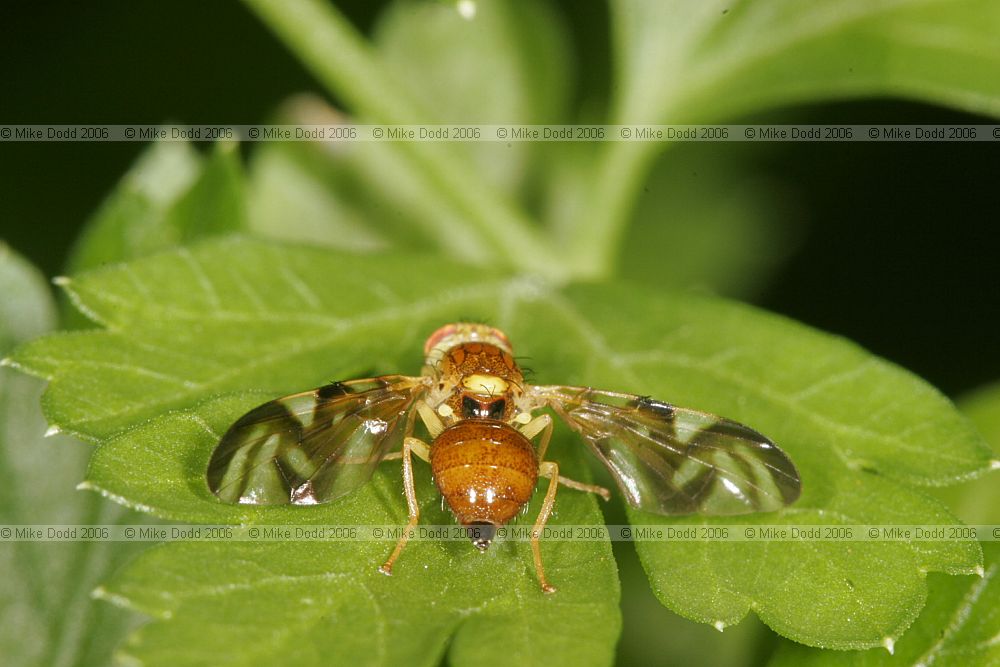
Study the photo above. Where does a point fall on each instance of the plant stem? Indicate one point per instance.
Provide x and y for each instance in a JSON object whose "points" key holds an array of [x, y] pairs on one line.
{"points": [[620, 173], [344, 62]]}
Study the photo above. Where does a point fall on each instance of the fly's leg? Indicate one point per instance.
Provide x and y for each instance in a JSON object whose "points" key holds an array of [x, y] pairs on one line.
{"points": [[540, 424], [419, 447], [430, 420], [548, 469], [589, 488], [543, 424]]}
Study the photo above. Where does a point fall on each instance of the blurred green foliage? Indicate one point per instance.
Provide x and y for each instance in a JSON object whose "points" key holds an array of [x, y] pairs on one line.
{"points": [[722, 218]]}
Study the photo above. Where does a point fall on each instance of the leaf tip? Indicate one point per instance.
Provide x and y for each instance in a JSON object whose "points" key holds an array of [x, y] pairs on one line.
{"points": [[719, 625], [980, 571], [52, 430], [6, 361], [889, 644], [995, 464], [61, 281]]}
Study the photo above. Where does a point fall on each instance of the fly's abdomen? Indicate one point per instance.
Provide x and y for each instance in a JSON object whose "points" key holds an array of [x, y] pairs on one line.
{"points": [[486, 470]]}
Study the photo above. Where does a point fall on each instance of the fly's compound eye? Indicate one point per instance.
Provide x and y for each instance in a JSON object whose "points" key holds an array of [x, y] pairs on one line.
{"points": [[470, 407], [497, 409], [474, 409]]}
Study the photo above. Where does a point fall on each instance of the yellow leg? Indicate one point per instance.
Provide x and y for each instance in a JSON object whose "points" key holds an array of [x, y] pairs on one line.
{"points": [[589, 488], [548, 469], [431, 420], [540, 424], [543, 424], [420, 449], [434, 427]]}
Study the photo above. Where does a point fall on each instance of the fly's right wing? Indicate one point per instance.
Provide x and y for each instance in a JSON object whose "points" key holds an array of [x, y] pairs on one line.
{"points": [[671, 460]]}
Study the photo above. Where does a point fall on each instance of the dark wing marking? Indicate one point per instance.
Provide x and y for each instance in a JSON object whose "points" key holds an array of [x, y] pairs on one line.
{"points": [[670, 460], [315, 446]]}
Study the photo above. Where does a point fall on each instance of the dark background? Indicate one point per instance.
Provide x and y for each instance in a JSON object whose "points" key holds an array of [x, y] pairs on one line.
{"points": [[898, 252]]}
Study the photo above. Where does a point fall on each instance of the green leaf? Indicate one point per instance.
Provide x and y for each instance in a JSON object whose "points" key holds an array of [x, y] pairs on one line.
{"points": [[186, 326], [319, 601], [25, 300], [860, 431], [717, 59], [48, 617], [171, 195], [983, 407], [960, 626], [650, 629], [129, 223], [981, 499], [703, 62], [290, 201], [978, 501], [215, 203]]}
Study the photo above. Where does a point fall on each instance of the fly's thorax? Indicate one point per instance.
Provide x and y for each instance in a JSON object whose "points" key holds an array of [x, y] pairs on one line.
{"points": [[486, 471]]}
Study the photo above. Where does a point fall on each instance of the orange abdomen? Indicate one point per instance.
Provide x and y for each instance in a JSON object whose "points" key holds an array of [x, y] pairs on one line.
{"points": [[486, 470]]}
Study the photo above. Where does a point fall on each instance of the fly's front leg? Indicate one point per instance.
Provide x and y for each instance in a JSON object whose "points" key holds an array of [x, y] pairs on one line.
{"points": [[419, 447], [540, 424], [430, 419], [543, 424]]}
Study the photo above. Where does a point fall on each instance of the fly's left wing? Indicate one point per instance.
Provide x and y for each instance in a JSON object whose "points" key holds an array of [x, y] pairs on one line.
{"points": [[671, 460], [315, 446]]}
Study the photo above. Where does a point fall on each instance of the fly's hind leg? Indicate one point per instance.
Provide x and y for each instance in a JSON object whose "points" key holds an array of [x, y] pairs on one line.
{"points": [[418, 447], [543, 424], [548, 469]]}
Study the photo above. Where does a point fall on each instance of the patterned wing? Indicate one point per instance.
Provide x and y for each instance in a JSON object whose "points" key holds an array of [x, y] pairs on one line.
{"points": [[315, 446], [670, 460]]}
